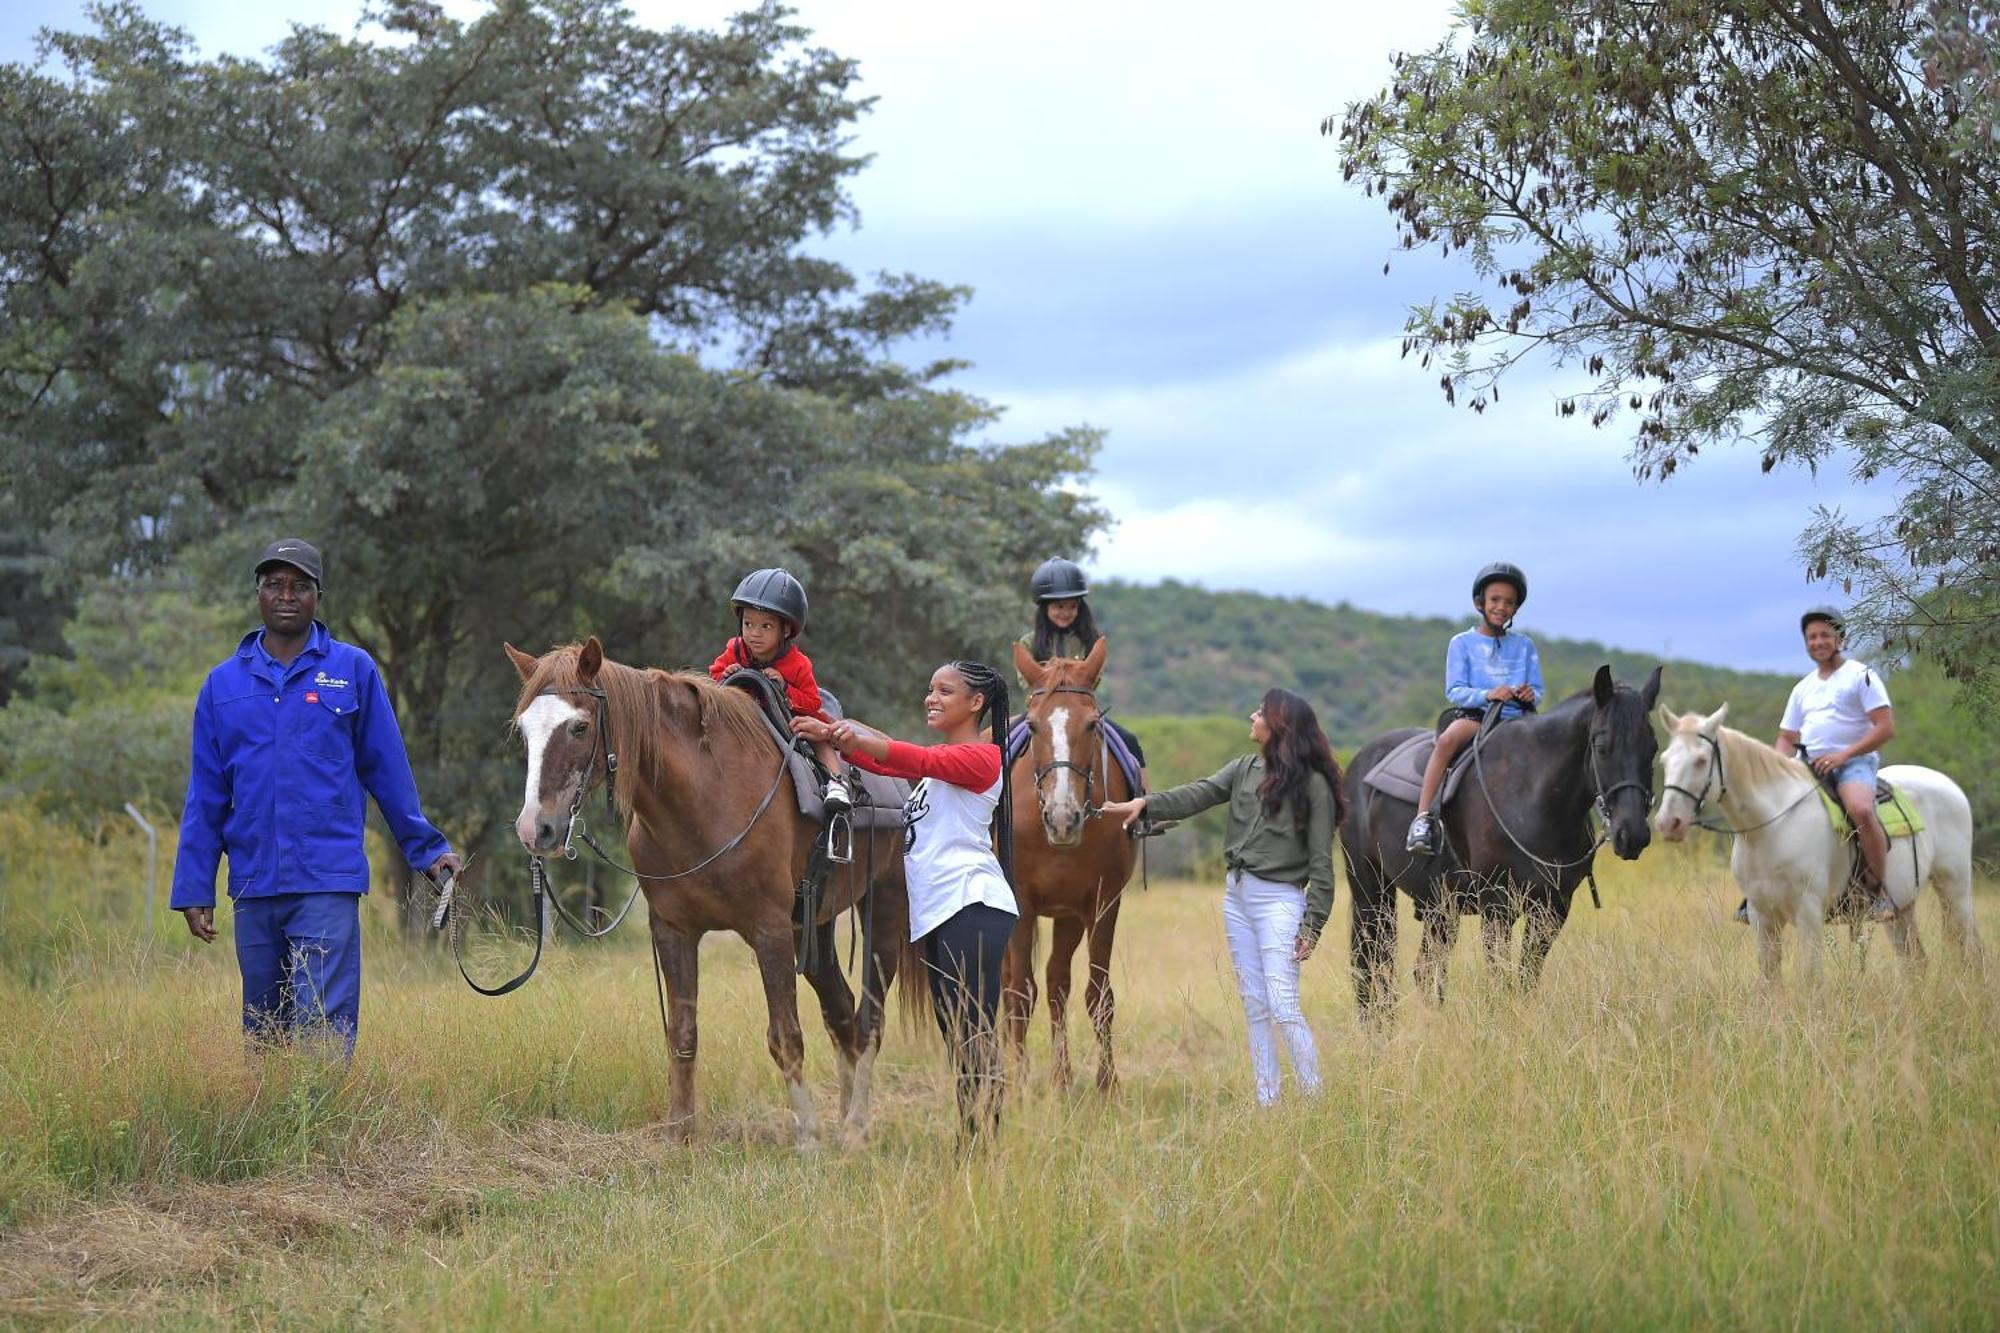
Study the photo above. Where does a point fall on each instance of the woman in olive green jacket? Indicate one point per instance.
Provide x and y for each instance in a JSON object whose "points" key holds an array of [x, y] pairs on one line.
{"points": [[1285, 802]]}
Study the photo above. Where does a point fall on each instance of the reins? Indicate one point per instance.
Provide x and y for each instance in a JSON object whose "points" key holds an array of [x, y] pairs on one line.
{"points": [[543, 895], [1042, 771], [1599, 803], [1719, 781]]}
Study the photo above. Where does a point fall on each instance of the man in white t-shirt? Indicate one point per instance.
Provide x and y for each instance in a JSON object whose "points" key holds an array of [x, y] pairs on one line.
{"points": [[1838, 720]]}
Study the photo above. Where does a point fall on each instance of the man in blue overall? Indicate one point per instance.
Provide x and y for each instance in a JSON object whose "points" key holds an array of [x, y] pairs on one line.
{"points": [[288, 734]]}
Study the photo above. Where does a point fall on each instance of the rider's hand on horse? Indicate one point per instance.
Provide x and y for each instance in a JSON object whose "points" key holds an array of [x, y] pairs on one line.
{"points": [[1127, 811], [1525, 693], [775, 676], [201, 923], [811, 728], [1824, 764], [731, 670], [1500, 693]]}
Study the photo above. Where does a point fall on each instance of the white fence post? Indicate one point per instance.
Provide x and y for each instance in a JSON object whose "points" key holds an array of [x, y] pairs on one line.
{"points": [[152, 860]]}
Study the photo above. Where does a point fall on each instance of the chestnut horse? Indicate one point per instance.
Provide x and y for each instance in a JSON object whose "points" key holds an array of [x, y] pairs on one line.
{"points": [[715, 833], [1068, 866]]}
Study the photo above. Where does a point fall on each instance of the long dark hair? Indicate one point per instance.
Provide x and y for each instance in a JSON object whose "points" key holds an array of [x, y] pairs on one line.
{"points": [[1046, 633], [1297, 750], [983, 679]]}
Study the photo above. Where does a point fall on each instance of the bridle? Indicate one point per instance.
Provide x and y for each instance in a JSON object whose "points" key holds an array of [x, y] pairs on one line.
{"points": [[544, 897], [1714, 784], [1044, 771], [1600, 802], [1717, 781]]}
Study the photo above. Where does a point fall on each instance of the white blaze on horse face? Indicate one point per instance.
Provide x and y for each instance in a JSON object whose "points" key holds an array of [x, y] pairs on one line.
{"points": [[1064, 798], [539, 722]]}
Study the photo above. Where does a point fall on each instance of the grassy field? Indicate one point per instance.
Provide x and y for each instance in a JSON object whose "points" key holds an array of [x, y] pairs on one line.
{"points": [[1653, 1138]]}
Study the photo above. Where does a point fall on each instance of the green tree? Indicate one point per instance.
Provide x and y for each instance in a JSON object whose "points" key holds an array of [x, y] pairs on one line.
{"points": [[519, 317], [1745, 219], [198, 252]]}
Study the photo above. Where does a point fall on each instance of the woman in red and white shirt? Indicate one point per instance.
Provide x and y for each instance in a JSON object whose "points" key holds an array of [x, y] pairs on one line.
{"points": [[962, 907]]}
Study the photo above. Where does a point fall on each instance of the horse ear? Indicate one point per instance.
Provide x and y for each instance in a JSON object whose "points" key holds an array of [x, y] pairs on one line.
{"points": [[1024, 662], [1713, 722], [522, 662], [1670, 721], [1649, 693], [589, 661], [1602, 687], [1093, 661]]}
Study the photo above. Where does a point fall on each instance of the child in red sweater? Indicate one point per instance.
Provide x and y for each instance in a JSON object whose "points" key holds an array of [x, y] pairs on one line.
{"points": [[770, 607]]}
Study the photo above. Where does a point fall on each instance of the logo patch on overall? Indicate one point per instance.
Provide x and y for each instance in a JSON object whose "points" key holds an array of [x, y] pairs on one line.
{"points": [[326, 682]]}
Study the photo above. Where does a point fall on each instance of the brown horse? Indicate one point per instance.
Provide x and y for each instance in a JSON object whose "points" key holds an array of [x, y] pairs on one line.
{"points": [[1068, 866], [715, 832]]}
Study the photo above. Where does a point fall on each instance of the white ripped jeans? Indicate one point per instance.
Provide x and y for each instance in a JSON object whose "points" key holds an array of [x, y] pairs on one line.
{"points": [[1262, 921]]}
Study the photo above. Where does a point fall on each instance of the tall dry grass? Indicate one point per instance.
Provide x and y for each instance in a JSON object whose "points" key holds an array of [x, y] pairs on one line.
{"points": [[1653, 1137]]}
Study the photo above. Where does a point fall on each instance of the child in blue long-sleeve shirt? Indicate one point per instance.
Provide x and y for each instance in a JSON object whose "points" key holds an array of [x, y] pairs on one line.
{"points": [[1486, 664]]}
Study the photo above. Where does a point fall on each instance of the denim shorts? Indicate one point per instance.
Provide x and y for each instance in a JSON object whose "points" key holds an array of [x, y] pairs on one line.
{"points": [[1862, 768]]}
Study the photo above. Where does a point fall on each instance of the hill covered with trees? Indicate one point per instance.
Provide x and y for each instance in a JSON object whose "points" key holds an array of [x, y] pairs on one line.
{"points": [[1189, 664]]}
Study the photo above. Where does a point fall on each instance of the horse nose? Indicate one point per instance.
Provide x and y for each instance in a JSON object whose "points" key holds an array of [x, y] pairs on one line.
{"points": [[1671, 828], [537, 835]]}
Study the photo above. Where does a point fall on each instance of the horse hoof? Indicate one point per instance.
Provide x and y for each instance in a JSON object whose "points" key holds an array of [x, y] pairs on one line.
{"points": [[853, 1138]]}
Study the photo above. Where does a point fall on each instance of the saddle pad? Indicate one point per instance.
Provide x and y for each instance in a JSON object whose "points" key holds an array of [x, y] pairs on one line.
{"points": [[1400, 774], [879, 804], [880, 800], [1899, 818]]}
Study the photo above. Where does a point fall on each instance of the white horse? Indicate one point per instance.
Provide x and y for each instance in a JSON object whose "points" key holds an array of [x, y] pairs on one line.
{"points": [[1787, 857]]}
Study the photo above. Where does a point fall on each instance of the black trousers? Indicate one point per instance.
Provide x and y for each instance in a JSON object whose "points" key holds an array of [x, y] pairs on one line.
{"points": [[963, 956]]}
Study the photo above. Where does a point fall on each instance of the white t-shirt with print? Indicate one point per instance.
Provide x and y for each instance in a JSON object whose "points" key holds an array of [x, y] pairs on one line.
{"points": [[1831, 713], [948, 853]]}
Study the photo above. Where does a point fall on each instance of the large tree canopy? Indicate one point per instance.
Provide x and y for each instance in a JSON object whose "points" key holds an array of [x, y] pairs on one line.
{"points": [[520, 319], [1745, 219]]}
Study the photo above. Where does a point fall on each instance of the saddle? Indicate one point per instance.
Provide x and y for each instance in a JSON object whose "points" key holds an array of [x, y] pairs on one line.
{"points": [[1899, 820], [1400, 773], [878, 802]]}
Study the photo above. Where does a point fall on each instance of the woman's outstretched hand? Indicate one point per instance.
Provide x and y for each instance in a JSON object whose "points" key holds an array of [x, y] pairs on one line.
{"points": [[1125, 811], [849, 736]]}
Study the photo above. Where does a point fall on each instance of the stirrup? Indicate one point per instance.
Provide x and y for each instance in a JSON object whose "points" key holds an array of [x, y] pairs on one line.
{"points": [[840, 835]]}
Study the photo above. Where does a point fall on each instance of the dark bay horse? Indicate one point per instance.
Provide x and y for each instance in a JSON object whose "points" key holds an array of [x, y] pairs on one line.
{"points": [[697, 767], [1517, 837], [1068, 866]]}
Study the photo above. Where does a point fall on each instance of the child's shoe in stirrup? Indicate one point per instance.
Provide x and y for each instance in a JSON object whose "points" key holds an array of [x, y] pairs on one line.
{"points": [[1420, 834], [837, 812]]}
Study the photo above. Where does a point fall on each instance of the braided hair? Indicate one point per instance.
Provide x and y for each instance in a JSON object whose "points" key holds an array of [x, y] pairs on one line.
{"points": [[1084, 627], [983, 679]]}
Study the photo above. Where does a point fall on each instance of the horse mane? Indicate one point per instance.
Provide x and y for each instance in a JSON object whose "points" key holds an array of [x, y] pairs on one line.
{"points": [[641, 712], [1745, 754]]}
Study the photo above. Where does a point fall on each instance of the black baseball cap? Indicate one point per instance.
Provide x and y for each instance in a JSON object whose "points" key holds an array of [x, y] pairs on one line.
{"points": [[300, 554]]}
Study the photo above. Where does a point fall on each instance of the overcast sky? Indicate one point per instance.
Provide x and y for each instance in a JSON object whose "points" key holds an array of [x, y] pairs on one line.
{"points": [[1160, 245]]}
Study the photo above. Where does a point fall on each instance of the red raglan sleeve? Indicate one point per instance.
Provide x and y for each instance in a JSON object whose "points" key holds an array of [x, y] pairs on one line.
{"points": [[801, 687], [974, 765]]}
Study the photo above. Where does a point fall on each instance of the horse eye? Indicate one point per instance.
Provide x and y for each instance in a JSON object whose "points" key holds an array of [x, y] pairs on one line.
{"points": [[578, 727]]}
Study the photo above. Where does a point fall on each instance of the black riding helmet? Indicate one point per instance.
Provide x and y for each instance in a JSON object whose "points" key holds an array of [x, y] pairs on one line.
{"points": [[1827, 613], [775, 591], [1502, 572], [1058, 580]]}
